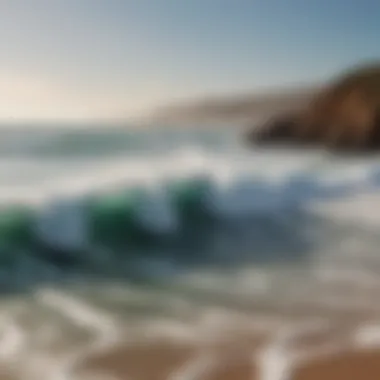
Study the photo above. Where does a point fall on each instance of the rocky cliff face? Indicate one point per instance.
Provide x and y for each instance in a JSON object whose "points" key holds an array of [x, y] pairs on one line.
{"points": [[344, 115]]}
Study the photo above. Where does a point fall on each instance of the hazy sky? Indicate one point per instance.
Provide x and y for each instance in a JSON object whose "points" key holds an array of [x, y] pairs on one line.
{"points": [[78, 59]]}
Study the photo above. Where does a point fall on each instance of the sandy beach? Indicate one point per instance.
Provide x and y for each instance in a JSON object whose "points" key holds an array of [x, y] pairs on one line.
{"points": [[311, 338], [163, 362], [336, 350]]}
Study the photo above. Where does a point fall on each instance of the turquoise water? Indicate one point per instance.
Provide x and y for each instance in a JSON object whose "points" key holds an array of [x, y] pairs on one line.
{"points": [[138, 229], [190, 197], [186, 197]]}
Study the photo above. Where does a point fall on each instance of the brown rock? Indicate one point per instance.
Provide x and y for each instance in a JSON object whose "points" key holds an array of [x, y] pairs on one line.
{"points": [[345, 115], [277, 130]]}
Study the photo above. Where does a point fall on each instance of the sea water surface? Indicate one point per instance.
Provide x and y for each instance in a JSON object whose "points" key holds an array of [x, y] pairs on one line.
{"points": [[286, 225]]}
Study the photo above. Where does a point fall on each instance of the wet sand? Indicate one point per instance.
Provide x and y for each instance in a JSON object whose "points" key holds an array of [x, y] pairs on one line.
{"points": [[347, 366], [224, 357], [312, 335], [160, 362], [311, 343], [5, 375], [143, 362], [325, 353], [156, 364]]}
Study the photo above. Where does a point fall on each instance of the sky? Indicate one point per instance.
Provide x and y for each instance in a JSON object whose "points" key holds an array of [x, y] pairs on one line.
{"points": [[112, 59]]}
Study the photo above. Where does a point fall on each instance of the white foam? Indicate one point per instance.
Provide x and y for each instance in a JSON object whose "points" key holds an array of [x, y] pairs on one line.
{"points": [[275, 361], [367, 336], [360, 209], [183, 163], [77, 311], [243, 183], [12, 341]]}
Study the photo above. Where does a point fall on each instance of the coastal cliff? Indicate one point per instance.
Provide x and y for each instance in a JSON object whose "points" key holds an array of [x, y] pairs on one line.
{"points": [[344, 115]]}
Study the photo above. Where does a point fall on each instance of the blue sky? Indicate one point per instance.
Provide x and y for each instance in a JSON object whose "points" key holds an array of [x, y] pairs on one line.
{"points": [[85, 59]]}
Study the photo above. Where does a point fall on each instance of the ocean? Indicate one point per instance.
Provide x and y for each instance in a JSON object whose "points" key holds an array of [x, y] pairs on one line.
{"points": [[183, 236]]}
